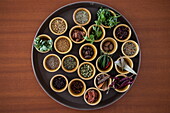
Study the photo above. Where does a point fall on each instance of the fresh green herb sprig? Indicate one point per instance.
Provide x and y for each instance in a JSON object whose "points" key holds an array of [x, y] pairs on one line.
{"points": [[105, 17], [97, 32], [90, 38], [43, 45]]}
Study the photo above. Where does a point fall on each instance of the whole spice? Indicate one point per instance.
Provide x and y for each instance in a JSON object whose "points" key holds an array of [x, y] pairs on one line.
{"points": [[121, 82], [78, 34], [52, 62], [82, 17], [58, 26], [43, 44], [104, 62], [92, 96], [69, 63], [122, 32], [87, 52], [59, 82], [86, 70], [102, 81], [129, 48], [108, 46], [63, 45], [77, 87]]}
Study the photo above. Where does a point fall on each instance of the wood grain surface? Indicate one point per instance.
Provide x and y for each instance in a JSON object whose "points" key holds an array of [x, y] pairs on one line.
{"points": [[21, 93]]}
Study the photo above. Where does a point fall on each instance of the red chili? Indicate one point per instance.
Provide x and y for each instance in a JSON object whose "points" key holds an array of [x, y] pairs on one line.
{"points": [[107, 65]]}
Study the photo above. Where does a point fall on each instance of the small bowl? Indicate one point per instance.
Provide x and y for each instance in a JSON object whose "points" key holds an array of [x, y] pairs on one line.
{"points": [[137, 48], [103, 32], [73, 70], [58, 90], [54, 32], [71, 91], [129, 62], [113, 41], [55, 45], [46, 67], [84, 78], [94, 49], [99, 98], [114, 14], [43, 36], [114, 33], [123, 89], [109, 69], [77, 27], [79, 9], [95, 79]]}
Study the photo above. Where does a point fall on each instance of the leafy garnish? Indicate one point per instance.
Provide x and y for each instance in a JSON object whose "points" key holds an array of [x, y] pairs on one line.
{"points": [[105, 17], [97, 32], [90, 38], [43, 45]]}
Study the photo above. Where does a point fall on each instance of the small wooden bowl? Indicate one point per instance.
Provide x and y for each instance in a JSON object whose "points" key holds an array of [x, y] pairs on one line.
{"points": [[114, 32], [95, 79], [113, 41], [58, 90], [58, 18], [137, 48], [123, 89], [77, 27], [79, 9], [99, 98], [114, 14], [73, 70], [109, 69], [103, 32], [94, 71], [62, 37], [129, 62], [70, 90], [41, 37], [44, 63], [94, 49]]}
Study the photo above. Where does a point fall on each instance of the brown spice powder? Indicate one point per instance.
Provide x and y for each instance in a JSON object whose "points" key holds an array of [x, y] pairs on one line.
{"points": [[63, 45]]}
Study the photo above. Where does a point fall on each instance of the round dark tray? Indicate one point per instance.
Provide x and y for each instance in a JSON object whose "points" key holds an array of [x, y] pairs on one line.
{"points": [[43, 77]]}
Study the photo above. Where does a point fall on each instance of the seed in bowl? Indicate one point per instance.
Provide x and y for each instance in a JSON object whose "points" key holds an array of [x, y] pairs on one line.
{"points": [[77, 87], [122, 32], [69, 63], [129, 48], [82, 17], [87, 52], [59, 82], [63, 45], [86, 70], [108, 46], [58, 26]]}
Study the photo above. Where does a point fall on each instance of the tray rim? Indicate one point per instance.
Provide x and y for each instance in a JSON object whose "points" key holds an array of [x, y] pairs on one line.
{"points": [[84, 109]]}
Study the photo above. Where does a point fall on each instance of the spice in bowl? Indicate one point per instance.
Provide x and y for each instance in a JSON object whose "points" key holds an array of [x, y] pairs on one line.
{"points": [[82, 16], [77, 87], [69, 63], [108, 46], [78, 34], [130, 48], [86, 70], [102, 81], [51, 63], [62, 44], [58, 26], [87, 52]]}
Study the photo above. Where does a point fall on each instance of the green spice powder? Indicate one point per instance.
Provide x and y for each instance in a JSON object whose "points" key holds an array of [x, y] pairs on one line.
{"points": [[69, 63], [86, 70]]}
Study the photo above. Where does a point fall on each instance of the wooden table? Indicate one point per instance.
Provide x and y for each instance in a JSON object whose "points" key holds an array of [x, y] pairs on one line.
{"points": [[21, 93]]}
